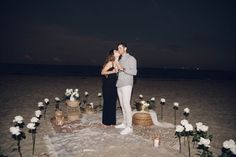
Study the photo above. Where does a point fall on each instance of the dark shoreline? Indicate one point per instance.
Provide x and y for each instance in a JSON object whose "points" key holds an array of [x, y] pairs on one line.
{"points": [[75, 70]]}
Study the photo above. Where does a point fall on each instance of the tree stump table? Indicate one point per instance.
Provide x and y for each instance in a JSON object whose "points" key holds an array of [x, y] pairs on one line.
{"points": [[142, 119], [73, 110]]}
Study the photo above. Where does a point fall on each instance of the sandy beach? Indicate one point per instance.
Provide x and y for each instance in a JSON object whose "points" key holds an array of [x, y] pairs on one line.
{"points": [[210, 101]]}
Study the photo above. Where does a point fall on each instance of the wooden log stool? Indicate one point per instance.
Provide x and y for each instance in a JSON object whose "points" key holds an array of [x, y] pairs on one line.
{"points": [[142, 119], [73, 110]]}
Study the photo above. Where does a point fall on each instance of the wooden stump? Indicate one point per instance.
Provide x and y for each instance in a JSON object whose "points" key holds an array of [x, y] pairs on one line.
{"points": [[73, 110], [142, 118]]}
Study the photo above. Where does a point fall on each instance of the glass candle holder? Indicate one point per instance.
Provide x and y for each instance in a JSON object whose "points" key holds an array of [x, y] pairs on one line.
{"points": [[156, 140]]}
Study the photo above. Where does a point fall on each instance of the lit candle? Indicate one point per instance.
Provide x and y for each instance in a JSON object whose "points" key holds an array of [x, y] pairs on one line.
{"points": [[156, 140]]}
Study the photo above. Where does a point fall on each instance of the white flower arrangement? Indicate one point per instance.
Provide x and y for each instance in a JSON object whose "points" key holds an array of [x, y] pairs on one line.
{"points": [[203, 138], [38, 113], [176, 104], [31, 126], [188, 127], [175, 107], [199, 124], [179, 131], [230, 145], [201, 127], [187, 110], [34, 120], [18, 119], [204, 142], [142, 102], [57, 99], [233, 150], [184, 122], [17, 135], [99, 94], [179, 128], [153, 99], [46, 100], [72, 94], [163, 100], [144, 105], [15, 130], [91, 104], [68, 92], [229, 148], [40, 104]]}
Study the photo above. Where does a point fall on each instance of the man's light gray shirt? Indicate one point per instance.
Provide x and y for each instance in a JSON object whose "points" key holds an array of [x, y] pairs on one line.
{"points": [[125, 77]]}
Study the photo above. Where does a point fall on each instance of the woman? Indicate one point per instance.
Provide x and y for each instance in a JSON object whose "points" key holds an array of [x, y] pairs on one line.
{"points": [[109, 73]]}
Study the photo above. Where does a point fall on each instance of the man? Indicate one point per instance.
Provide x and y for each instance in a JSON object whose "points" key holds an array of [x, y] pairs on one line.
{"points": [[127, 67]]}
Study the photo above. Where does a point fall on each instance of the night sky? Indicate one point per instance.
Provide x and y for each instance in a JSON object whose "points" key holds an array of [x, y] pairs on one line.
{"points": [[160, 34]]}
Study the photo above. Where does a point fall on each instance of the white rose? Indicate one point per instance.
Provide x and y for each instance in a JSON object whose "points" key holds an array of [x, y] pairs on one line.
{"points": [[91, 104], [76, 90], [163, 100], [46, 100], [38, 113], [18, 119], [203, 128], [34, 120], [86, 93], [205, 142], [72, 98], [68, 92], [99, 94], [188, 127], [228, 144], [153, 99], [179, 128], [199, 124], [140, 96], [40, 104], [232, 142], [146, 104], [15, 130], [184, 122], [142, 102], [176, 104], [57, 99], [186, 110], [233, 149], [31, 126], [77, 95]]}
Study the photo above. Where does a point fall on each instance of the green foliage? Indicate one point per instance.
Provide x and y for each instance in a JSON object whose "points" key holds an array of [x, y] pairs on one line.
{"points": [[205, 151], [19, 137]]}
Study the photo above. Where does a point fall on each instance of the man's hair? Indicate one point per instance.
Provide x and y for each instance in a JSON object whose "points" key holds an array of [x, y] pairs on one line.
{"points": [[123, 44]]}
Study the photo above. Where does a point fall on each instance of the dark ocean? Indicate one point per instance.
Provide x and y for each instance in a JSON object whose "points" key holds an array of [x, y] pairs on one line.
{"points": [[93, 71]]}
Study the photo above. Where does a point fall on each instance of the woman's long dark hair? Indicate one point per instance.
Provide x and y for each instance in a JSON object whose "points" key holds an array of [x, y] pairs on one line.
{"points": [[110, 57]]}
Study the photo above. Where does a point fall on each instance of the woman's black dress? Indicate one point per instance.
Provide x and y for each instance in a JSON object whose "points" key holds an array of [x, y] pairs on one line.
{"points": [[109, 91]]}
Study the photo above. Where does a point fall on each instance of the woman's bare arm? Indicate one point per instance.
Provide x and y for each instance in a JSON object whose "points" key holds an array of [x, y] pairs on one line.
{"points": [[106, 68]]}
